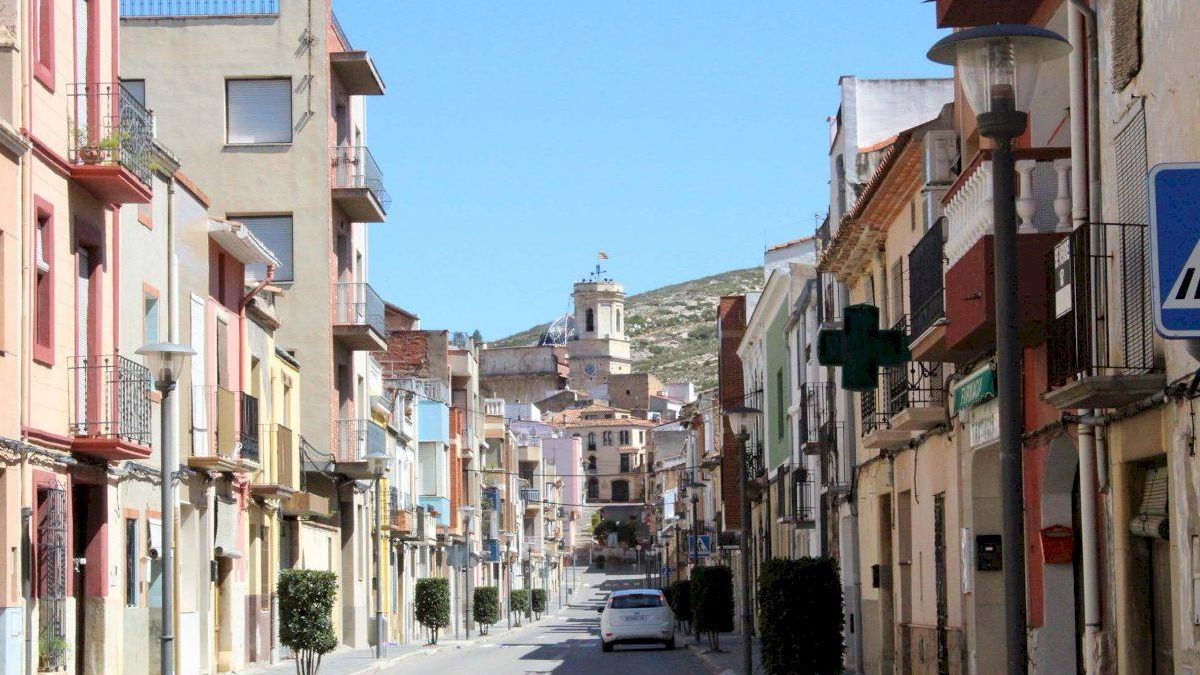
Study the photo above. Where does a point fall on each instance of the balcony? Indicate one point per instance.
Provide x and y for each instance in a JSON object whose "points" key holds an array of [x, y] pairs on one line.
{"points": [[816, 413], [1093, 362], [358, 184], [927, 297], [426, 525], [533, 546], [837, 466], [355, 69], [532, 499], [358, 321], [965, 13], [798, 501], [915, 392], [424, 389], [110, 142], [493, 407], [306, 505], [754, 466], [402, 519], [280, 474], [220, 416], [1044, 208], [110, 407], [355, 437], [489, 499], [152, 9]]}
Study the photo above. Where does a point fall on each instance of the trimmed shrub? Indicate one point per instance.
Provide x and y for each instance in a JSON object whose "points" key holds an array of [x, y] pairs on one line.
{"points": [[539, 601], [681, 597], [712, 602], [485, 607], [306, 600], [433, 605], [519, 603], [800, 616]]}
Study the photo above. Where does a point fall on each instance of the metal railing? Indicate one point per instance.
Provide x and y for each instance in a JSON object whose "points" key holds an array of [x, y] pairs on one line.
{"points": [[872, 415], [926, 282], [218, 416], [109, 126], [1081, 342], [249, 429], [837, 464], [752, 460], [354, 438], [354, 167], [359, 305], [824, 236], [915, 384], [816, 410], [198, 8], [534, 496], [431, 390], [803, 494], [110, 398], [337, 30]]}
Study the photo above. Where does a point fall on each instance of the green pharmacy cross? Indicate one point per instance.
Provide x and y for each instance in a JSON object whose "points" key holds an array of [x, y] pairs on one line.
{"points": [[860, 348]]}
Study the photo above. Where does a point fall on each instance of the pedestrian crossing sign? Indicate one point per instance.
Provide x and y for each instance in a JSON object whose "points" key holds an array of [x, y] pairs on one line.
{"points": [[1175, 248]]}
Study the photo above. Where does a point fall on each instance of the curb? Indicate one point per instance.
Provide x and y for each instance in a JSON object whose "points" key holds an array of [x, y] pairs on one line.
{"points": [[707, 659]]}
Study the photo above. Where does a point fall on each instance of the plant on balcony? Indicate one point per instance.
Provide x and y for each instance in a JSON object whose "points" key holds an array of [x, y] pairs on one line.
{"points": [[306, 600], [433, 605], [486, 607], [800, 616], [519, 603], [538, 602], [712, 602], [52, 651]]}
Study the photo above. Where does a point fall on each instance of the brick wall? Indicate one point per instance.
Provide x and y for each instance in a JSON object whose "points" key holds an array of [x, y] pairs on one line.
{"points": [[731, 324]]}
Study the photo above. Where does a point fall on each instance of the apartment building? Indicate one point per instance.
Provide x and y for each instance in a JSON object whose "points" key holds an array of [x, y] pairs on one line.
{"points": [[614, 451]]}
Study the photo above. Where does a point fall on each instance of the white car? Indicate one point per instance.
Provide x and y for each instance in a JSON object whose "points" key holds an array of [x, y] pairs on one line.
{"points": [[637, 616]]}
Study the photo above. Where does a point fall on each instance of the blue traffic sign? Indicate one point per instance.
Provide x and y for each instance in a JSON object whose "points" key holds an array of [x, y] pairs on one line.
{"points": [[1175, 248], [705, 546]]}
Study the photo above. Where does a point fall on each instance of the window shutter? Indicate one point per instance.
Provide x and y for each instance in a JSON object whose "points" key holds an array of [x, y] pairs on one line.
{"points": [[136, 89], [276, 233], [259, 111]]}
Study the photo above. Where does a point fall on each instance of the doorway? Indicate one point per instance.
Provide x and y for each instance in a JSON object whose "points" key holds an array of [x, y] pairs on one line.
{"points": [[939, 583], [887, 614], [620, 491]]}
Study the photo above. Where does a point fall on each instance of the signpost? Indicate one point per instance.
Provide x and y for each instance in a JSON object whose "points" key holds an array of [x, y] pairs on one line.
{"points": [[705, 548], [1175, 249]]}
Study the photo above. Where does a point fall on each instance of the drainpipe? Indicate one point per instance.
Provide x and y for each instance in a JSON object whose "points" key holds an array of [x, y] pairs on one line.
{"points": [[1084, 193]]}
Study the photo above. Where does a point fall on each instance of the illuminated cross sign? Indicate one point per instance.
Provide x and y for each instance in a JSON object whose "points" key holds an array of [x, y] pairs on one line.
{"points": [[860, 348]]}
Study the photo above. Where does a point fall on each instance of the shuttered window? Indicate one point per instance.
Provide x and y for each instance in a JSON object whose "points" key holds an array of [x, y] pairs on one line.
{"points": [[276, 233], [136, 89], [259, 111]]}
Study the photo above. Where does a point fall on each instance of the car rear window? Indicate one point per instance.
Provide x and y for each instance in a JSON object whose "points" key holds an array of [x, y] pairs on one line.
{"points": [[637, 601]]}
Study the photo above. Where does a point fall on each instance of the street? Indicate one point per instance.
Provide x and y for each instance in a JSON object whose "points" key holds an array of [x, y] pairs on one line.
{"points": [[565, 643]]}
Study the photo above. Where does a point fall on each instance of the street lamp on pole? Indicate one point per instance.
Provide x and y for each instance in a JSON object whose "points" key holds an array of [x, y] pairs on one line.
{"points": [[467, 512], [378, 459], [998, 67], [166, 361], [741, 420], [508, 539]]}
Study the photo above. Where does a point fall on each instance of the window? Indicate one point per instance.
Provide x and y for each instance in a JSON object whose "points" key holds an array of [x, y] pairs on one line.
{"points": [[593, 489], [43, 51], [591, 462], [618, 321], [623, 437], [258, 111], [136, 89], [607, 437], [150, 316], [591, 440], [591, 321], [638, 601], [625, 462], [276, 233], [131, 562], [641, 437], [780, 423], [43, 243]]}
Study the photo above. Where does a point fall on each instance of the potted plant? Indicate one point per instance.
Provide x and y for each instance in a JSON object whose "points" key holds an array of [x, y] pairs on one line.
{"points": [[51, 650]]}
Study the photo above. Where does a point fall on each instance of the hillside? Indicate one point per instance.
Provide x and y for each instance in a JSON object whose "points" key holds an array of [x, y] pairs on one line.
{"points": [[674, 328]]}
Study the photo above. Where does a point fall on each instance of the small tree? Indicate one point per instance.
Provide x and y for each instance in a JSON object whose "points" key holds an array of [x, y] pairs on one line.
{"points": [[519, 603], [712, 602], [681, 598], [539, 602], [433, 605], [800, 616], [486, 607], [306, 600]]}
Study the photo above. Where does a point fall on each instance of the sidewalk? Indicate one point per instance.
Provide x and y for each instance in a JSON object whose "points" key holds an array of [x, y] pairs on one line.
{"points": [[729, 660]]}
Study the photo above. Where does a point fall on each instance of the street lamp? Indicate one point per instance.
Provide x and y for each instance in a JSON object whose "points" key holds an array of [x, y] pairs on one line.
{"points": [[166, 361], [378, 460], [998, 68], [741, 420], [508, 539], [467, 512]]}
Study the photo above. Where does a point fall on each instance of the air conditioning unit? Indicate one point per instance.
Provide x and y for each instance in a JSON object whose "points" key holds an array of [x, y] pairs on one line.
{"points": [[941, 158]]}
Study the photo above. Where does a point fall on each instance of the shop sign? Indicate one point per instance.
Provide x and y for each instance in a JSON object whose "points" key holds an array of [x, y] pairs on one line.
{"points": [[975, 389], [984, 426]]}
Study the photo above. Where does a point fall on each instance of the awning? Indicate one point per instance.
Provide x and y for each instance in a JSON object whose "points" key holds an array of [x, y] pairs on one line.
{"points": [[1151, 519]]}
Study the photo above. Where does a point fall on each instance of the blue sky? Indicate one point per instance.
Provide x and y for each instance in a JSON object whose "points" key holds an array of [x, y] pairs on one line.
{"points": [[518, 138]]}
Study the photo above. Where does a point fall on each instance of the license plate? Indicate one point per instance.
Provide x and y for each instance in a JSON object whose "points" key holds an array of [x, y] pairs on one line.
{"points": [[635, 618]]}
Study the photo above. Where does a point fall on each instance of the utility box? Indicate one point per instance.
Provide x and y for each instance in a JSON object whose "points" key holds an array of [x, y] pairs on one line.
{"points": [[989, 553]]}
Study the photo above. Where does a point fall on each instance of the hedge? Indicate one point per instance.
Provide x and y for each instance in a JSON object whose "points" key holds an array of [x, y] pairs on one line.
{"points": [[681, 600], [519, 603], [433, 605], [306, 600], [800, 616], [712, 602], [486, 607], [539, 601]]}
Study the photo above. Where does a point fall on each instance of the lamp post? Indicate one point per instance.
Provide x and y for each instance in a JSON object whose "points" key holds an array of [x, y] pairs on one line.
{"points": [[508, 538], [741, 420], [166, 361], [378, 460], [467, 512], [998, 68]]}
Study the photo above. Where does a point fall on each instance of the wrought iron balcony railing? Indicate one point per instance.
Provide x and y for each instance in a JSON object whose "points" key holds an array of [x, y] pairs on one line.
{"points": [[1082, 341], [355, 167], [110, 398], [249, 429], [817, 409], [752, 460], [355, 437], [110, 127], [531, 496], [803, 496], [359, 305], [134, 9], [926, 289], [837, 463], [873, 415]]}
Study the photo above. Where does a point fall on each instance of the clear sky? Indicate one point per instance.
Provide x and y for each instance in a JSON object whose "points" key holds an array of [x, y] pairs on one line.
{"points": [[519, 138]]}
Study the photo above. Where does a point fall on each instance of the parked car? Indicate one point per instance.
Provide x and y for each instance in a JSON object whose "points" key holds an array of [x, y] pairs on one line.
{"points": [[636, 616]]}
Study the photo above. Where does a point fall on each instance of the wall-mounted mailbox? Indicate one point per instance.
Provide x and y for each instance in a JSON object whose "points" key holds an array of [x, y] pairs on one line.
{"points": [[988, 553]]}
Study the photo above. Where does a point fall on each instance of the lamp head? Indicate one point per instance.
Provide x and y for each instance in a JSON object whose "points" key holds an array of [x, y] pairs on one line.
{"points": [[998, 65], [377, 460], [742, 419], [166, 361]]}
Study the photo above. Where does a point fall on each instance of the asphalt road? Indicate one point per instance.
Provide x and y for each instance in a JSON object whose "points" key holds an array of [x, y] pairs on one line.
{"points": [[566, 643]]}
